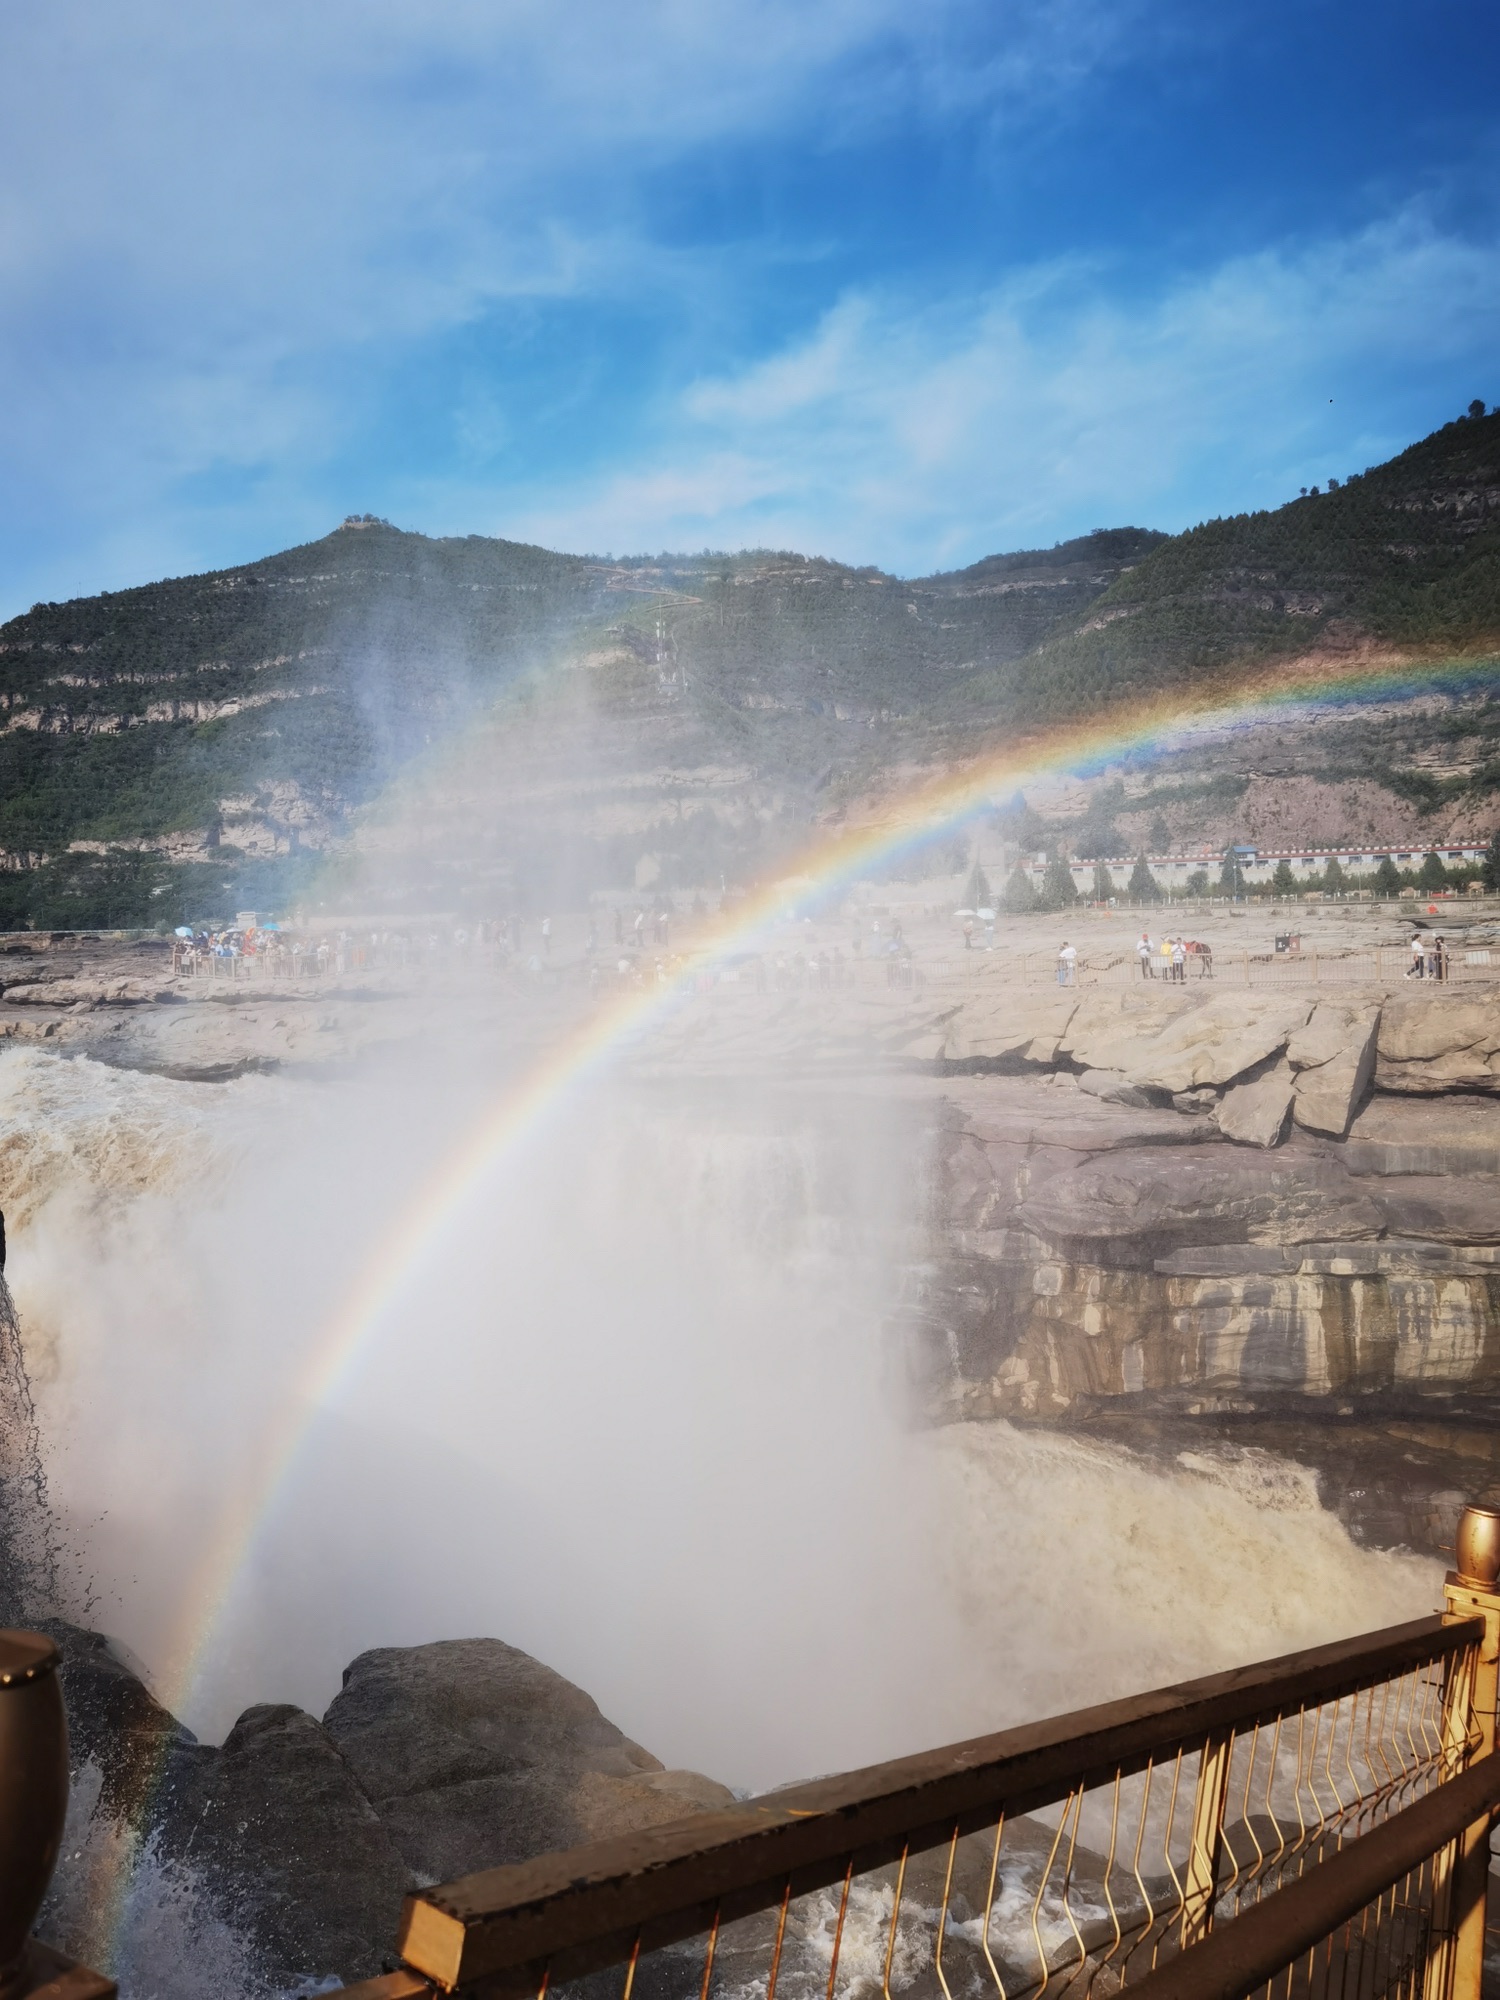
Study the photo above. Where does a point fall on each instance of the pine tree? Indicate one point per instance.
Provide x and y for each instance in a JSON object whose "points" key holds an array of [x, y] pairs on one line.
{"points": [[1058, 891], [1283, 882], [1019, 896], [1232, 874], [977, 888], [1144, 887], [1335, 882], [1492, 862], [1104, 884], [1433, 874], [1387, 877]]}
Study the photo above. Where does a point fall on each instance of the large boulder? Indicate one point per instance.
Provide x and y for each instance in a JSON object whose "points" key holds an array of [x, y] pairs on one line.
{"points": [[1008, 1026], [1256, 1113], [115, 1722], [474, 1754], [1437, 1042], [1409, 1135], [1333, 1055], [1214, 1039]]}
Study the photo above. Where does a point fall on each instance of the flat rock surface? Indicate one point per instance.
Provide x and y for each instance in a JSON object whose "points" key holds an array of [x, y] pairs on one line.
{"points": [[1255, 1113], [1443, 1135], [1154, 1202]]}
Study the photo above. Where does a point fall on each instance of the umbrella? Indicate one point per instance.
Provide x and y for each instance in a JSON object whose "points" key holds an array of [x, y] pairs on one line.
{"points": [[965, 913], [182, 930]]}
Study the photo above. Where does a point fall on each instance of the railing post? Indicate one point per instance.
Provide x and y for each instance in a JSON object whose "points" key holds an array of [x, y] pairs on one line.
{"points": [[1455, 1964], [1206, 1853], [33, 1805]]}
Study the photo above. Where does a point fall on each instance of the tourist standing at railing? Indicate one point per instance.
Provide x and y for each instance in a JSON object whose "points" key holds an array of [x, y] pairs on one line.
{"points": [[1067, 960], [1144, 952], [1179, 960], [1418, 964]]}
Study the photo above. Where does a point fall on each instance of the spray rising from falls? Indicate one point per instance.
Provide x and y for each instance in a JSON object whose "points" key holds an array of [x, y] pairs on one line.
{"points": [[30, 1555], [643, 1419]]}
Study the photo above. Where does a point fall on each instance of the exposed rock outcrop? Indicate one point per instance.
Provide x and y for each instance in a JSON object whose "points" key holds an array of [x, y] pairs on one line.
{"points": [[293, 1852], [1457, 1136], [1112, 1257], [431, 1762], [1333, 1057], [1183, 1041], [1440, 1042], [1256, 1112], [474, 1753]]}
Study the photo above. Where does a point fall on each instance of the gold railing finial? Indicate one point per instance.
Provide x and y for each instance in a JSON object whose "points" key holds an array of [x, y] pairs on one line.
{"points": [[1476, 1546], [33, 1807]]}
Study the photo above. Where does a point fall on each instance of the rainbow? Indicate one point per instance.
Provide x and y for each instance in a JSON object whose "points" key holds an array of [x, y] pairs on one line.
{"points": [[834, 861]]}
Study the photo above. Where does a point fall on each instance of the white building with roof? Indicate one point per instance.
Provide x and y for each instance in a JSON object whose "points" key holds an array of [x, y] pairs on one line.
{"points": [[1257, 866]]}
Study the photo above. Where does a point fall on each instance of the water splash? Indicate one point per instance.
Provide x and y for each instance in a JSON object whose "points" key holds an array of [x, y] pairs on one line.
{"points": [[174, 1941], [30, 1549]]}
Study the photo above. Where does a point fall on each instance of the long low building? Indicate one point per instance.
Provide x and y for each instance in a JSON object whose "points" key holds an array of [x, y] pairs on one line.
{"points": [[1174, 871]]}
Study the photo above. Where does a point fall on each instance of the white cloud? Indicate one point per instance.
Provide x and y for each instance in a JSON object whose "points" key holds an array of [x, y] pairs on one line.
{"points": [[213, 219], [925, 435]]}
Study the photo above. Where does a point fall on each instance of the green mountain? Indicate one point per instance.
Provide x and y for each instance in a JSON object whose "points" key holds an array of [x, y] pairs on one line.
{"points": [[202, 742], [1404, 556]]}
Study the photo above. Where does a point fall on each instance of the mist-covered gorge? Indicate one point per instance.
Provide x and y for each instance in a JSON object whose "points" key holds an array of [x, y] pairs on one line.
{"points": [[640, 1408]]}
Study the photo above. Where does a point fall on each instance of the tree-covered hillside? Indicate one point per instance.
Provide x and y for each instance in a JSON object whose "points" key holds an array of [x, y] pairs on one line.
{"points": [[201, 741], [231, 721], [1405, 555]]}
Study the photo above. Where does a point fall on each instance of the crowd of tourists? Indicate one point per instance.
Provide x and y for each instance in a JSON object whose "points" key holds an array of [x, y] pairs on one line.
{"points": [[1168, 959]]}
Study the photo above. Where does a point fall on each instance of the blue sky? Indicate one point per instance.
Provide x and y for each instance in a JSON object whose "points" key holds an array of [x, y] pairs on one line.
{"points": [[893, 283]]}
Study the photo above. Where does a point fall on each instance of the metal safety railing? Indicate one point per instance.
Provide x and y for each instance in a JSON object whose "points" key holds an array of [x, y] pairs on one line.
{"points": [[1316, 1825]]}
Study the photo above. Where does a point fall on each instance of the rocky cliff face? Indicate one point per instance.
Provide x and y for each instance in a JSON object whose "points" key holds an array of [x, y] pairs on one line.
{"points": [[1232, 1202]]}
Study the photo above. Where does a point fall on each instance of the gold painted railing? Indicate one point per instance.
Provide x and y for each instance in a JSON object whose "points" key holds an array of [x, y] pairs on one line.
{"points": [[1316, 1825]]}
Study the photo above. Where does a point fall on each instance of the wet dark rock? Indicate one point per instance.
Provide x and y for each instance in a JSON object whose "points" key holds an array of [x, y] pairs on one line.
{"points": [[114, 1720], [475, 1754], [296, 1855], [304, 1836]]}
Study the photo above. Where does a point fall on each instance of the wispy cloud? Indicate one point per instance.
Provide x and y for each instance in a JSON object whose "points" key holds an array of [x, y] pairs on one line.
{"points": [[258, 264], [925, 434], [215, 222]]}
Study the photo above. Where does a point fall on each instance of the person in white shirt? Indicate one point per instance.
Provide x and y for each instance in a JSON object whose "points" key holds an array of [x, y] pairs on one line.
{"points": [[1067, 959], [1145, 952]]}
